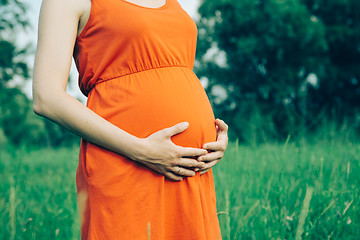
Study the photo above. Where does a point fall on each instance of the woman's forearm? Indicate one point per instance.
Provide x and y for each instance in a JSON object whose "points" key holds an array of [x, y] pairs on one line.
{"points": [[73, 115]]}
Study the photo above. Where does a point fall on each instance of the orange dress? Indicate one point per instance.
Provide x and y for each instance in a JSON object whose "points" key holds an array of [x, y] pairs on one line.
{"points": [[136, 66]]}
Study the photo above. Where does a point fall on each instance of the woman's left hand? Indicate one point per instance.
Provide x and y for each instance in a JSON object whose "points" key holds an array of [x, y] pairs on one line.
{"points": [[215, 149]]}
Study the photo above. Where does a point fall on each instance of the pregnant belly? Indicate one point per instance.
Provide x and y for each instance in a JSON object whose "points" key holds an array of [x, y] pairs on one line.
{"points": [[148, 101]]}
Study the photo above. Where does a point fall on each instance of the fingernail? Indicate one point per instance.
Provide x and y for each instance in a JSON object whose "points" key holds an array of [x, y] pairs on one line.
{"points": [[186, 124], [201, 158]]}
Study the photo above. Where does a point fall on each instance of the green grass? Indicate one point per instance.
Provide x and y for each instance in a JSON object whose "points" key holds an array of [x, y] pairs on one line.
{"points": [[270, 191], [38, 195], [261, 192]]}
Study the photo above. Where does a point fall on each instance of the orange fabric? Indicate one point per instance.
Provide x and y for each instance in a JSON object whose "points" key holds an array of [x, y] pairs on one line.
{"points": [[135, 65]]}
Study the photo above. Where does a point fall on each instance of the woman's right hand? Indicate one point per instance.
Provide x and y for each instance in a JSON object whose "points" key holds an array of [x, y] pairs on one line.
{"points": [[163, 156]]}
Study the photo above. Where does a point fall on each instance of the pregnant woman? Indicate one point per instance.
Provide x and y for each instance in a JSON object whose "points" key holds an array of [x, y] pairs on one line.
{"points": [[149, 136]]}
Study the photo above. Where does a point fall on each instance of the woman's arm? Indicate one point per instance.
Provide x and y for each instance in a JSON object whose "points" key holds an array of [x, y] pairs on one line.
{"points": [[58, 26]]}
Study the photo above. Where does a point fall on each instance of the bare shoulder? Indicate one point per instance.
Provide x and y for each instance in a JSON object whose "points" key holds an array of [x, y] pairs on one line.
{"points": [[77, 11], [67, 8]]}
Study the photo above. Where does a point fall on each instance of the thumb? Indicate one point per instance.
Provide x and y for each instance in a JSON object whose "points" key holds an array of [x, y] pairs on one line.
{"points": [[176, 129]]}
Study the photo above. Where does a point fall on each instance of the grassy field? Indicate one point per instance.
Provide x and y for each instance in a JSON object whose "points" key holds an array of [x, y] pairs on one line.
{"points": [[288, 191]]}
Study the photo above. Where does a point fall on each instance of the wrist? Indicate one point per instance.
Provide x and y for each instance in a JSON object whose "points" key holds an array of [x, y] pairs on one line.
{"points": [[138, 149]]}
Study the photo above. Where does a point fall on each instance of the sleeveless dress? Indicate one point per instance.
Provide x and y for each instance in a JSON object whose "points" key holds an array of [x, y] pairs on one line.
{"points": [[136, 66]]}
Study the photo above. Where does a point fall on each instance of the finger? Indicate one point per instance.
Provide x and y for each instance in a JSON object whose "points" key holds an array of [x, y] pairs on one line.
{"points": [[215, 146], [190, 163], [221, 125], [209, 165], [192, 152], [222, 137], [204, 171], [182, 171], [173, 176], [211, 156], [176, 129]]}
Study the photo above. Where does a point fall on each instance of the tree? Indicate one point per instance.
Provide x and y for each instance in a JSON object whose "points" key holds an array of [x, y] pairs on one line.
{"points": [[273, 54], [13, 106], [18, 124], [12, 18], [340, 84]]}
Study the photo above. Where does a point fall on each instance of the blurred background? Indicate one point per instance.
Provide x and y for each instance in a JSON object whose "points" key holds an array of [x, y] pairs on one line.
{"points": [[284, 75]]}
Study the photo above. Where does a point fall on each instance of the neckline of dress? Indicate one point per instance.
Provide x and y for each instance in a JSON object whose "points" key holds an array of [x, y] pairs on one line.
{"points": [[140, 6]]}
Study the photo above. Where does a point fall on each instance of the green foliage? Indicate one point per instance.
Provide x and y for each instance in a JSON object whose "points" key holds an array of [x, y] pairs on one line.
{"points": [[12, 15], [339, 86], [12, 18], [14, 110], [10, 65], [265, 52], [3, 139], [18, 124], [260, 192]]}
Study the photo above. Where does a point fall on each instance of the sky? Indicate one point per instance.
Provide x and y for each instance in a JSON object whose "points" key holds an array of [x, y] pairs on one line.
{"points": [[190, 6]]}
